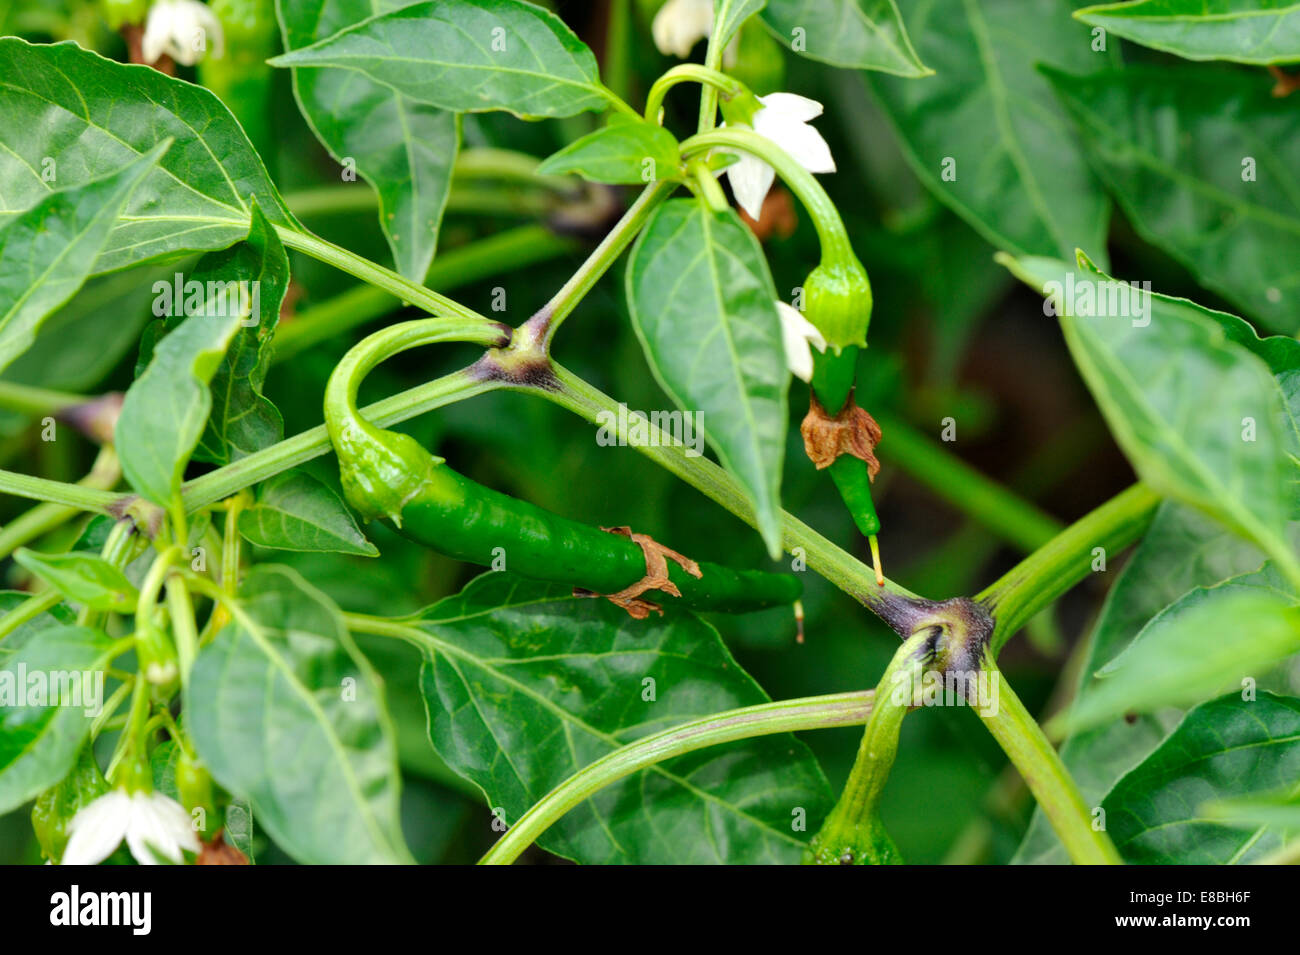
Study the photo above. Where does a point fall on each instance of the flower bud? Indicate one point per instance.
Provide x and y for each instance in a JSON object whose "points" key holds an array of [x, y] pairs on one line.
{"points": [[837, 300]]}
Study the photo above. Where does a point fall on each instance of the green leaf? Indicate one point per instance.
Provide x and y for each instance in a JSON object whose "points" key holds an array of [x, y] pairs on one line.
{"points": [[987, 136], [39, 742], [1208, 640], [468, 56], [76, 348], [1177, 395], [243, 420], [1228, 747], [403, 148], [83, 578], [628, 150], [17, 639], [730, 15], [90, 116], [858, 34], [1169, 145], [294, 511], [47, 251], [166, 409], [286, 712], [526, 684], [1182, 550], [1243, 31], [704, 306]]}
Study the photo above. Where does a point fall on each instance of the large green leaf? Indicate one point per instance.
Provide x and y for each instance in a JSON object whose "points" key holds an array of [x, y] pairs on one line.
{"points": [[1206, 164], [46, 252], [166, 409], [403, 148], [1200, 417], [1182, 550], [1244, 31], [526, 684], [287, 713], [1228, 747], [859, 34], [243, 420], [989, 119], [468, 56], [39, 742], [294, 511], [1202, 644], [704, 306], [628, 150], [90, 116]]}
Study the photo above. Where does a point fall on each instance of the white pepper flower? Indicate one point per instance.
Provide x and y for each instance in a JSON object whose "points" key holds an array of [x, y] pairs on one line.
{"points": [[782, 118], [799, 336], [183, 29], [154, 826]]}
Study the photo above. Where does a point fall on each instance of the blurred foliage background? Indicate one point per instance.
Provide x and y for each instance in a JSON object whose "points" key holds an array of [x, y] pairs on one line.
{"points": [[952, 336]]}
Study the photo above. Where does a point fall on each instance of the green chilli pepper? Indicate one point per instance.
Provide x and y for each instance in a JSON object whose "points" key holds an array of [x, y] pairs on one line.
{"points": [[837, 301], [386, 474]]}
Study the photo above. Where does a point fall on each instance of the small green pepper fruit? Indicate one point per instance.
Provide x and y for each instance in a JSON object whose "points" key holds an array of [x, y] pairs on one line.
{"points": [[119, 13], [837, 300], [195, 789], [157, 656], [381, 471], [56, 806]]}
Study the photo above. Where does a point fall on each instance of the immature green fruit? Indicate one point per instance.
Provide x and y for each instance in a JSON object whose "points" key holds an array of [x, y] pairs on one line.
{"points": [[837, 300], [194, 787], [56, 806]]}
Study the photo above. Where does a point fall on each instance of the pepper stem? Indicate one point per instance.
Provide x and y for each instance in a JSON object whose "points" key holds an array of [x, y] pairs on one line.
{"points": [[875, 560]]}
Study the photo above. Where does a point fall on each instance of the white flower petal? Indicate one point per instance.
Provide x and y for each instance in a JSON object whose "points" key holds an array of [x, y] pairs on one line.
{"points": [[160, 828], [680, 24], [797, 333], [804, 144], [750, 179], [801, 109], [97, 829], [174, 27]]}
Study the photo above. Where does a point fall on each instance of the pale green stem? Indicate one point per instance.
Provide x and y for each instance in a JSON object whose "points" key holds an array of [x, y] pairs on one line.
{"points": [[688, 73], [1050, 571], [375, 274], [834, 238], [1039, 764], [510, 250], [57, 492], [563, 302], [104, 473]]}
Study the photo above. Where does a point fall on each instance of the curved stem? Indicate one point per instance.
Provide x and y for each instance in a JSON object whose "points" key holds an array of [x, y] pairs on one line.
{"points": [[301, 448], [345, 381], [1054, 568], [688, 73], [1039, 764], [852, 827], [29, 609], [819, 712], [825, 216], [709, 94]]}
